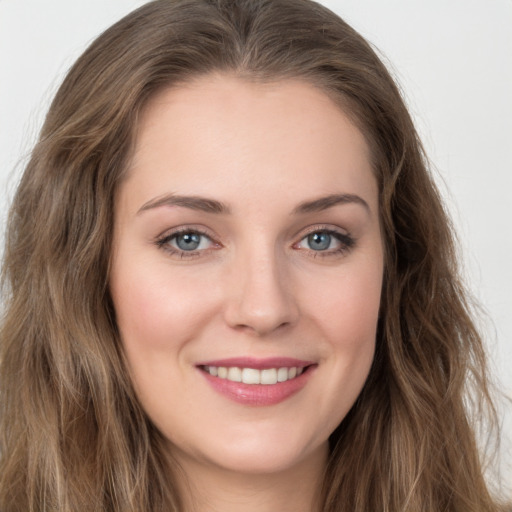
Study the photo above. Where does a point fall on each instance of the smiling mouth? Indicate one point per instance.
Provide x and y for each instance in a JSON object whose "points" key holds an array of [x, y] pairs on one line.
{"points": [[257, 382], [267, 376]]}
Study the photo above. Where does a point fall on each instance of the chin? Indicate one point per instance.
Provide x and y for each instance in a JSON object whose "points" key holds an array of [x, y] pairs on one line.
{"points": [[259, 451]]}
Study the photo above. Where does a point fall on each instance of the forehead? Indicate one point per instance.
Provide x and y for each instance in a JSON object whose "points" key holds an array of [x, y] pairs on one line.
{"points": [[220, 134]]}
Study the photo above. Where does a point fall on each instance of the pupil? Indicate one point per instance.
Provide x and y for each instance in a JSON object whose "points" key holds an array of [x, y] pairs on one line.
{"points": [[188, 241], [319, 241]]}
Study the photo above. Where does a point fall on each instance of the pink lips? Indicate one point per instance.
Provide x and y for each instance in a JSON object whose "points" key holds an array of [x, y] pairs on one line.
{"points": [[258, 394]]}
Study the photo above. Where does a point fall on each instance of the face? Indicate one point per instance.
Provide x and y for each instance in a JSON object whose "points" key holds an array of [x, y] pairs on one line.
{"points": [[247, 270]]}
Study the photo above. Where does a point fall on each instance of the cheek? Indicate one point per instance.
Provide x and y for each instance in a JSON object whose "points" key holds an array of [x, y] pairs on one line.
{"points": [[156, 311], [347, 306], [346, 314]]}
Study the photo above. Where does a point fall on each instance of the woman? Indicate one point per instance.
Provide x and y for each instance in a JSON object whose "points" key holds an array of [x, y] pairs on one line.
{"points": [[229, 271]]}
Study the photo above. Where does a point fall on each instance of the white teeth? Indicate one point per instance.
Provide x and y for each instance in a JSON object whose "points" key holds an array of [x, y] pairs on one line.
{"points": [[268, 376], [251, 376], [282, 374], [235, 374]]}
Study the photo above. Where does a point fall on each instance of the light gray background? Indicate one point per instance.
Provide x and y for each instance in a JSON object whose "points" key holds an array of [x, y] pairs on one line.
{"points": [[453, 59]]}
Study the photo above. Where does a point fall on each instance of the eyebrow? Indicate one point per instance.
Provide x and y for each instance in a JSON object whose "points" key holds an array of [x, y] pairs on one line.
{"points": [[202, 204], [325, 202], [207, 205]]}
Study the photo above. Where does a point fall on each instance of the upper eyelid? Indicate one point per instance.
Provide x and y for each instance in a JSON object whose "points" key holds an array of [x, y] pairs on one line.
{"points": [[201, 230], [330, 228], [204, 231], [163, 243], [343, 238]]}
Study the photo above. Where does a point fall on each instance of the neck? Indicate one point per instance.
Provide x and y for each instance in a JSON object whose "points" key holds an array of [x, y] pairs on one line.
{"points": [[209, 488]]}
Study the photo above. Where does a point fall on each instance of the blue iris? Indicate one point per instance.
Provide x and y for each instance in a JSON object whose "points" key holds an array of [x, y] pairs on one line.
{"points": [[188, 241], [319, 241]]}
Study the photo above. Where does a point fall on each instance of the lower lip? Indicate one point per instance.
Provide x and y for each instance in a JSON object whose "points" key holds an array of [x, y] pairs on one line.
{"points": [[258, 394]]}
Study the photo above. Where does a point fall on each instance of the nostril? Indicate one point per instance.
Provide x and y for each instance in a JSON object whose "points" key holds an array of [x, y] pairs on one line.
{"points": [[260, 303], [260, 328]]}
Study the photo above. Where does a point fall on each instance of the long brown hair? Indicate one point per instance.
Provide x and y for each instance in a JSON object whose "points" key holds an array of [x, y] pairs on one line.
{"points": [[72, 434]]}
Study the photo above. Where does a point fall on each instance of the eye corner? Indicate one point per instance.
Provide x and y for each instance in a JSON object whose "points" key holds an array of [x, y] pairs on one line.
{"points": [[198, 242], [330, 242]]}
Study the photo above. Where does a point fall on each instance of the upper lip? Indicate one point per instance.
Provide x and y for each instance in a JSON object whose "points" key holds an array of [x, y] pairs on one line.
{"points": [[259, 364]]}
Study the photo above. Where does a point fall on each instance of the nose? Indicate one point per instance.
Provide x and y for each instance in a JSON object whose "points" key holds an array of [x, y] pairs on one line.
{"points": [[261, 299]]}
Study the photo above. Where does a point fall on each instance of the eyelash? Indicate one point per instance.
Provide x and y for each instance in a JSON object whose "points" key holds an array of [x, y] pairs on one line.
{"points": [[346, 241], [163, 242]]}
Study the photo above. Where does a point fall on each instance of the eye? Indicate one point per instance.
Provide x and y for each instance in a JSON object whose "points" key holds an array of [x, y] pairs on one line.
{"points": [[186, 242], [190, 241], [320, 241], [326, 241]]}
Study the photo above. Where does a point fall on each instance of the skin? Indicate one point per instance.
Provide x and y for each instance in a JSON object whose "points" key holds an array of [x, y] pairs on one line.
{"points": [[254, 287]]}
